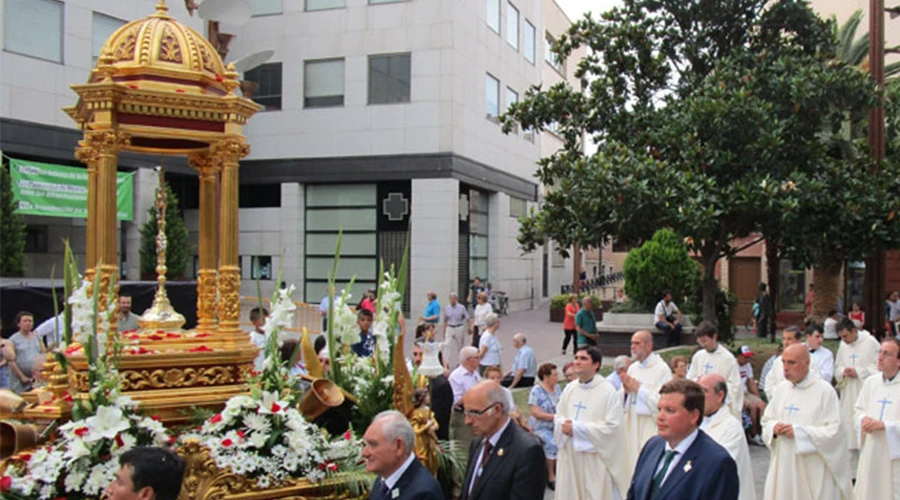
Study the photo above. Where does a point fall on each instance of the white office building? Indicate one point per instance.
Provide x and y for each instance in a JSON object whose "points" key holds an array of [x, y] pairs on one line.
{"points": [[380, 121]]}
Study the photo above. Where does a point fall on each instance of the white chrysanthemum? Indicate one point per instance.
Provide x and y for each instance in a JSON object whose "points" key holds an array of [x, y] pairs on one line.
{"points": [[153, 426], [98, 479], [258, 439], [257, 423], [74, 479], [47, 491]]}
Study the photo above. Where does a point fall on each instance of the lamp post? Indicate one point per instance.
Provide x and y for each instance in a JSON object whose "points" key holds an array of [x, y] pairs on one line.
{"points": [[873, 294]]}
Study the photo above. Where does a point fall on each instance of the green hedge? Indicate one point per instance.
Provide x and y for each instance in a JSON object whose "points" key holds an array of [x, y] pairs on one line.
{"points": [[560, 301]]}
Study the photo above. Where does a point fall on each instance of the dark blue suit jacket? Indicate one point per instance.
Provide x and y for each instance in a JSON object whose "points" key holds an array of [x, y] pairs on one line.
{"points": [[712, 475], [416, 483]]}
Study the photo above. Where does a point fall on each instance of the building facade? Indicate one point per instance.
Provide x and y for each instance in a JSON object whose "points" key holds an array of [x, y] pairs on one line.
{"points": [[380, 124]]}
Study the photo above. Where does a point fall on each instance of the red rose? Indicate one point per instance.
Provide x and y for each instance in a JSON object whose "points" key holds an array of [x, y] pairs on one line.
{"points": [[333, 467], [119, 442], [5, 483], [348, 435], [81, 431], [155, 417], [219, 77], [172, 439], [25, 457], [241, 434], [215, 419], [276, 408], [227, 442], [67, 397]]}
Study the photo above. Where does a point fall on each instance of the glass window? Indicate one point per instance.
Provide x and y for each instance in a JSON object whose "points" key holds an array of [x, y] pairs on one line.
{"points": [[512, 97], [344, 195], [324, 4], [102, 27], [493, 15], [268, 76], [351, 244], [528, 42], [550, 56], [34, 28], [316, 290], [36, 238], [348, 219], [491, 96], [512, 25], [323, 83], [318, 268], [389, 78], [266, 7], [517, 207], [261, 267], [259, 195]]}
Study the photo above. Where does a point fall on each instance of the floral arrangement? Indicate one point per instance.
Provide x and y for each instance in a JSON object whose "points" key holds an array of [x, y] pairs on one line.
{"points": [[262, 436], [106, 424]]}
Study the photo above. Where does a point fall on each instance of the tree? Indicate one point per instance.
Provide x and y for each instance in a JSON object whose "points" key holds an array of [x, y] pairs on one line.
{"points": [[179, 250], [12, 229], [660, 264], [703, 111]]}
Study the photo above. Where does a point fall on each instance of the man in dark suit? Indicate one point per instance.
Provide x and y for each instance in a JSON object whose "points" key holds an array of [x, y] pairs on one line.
{"points": [[683, 463], [507, 463], [388, 452]]}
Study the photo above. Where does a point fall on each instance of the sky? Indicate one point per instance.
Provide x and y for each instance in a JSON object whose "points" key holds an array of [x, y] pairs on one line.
{"points": [[577, 8]]}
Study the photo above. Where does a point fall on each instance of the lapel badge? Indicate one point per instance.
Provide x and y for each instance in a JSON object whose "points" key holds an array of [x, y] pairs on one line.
{"points": [[395, 493], [500, 452], [687, 467]]}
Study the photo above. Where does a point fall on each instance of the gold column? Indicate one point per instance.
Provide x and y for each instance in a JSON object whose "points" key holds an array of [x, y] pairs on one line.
{"points": [[227, 154], [100, 150], [206, 276]]}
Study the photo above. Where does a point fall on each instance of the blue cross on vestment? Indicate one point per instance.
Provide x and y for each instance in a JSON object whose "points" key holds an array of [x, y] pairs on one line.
{"points": [[708, 367], [853, 359], [578, 409], [791, 409], [884, 402]]}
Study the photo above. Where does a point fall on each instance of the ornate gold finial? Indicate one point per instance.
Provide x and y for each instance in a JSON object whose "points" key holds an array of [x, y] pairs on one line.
{"points": [[162, 10], [161, 315]]}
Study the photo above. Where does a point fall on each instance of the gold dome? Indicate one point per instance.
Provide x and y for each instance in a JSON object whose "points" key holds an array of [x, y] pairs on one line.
{"points": [[160, 49]]}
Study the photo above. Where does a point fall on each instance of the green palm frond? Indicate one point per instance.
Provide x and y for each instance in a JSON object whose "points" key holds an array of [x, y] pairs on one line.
{"points": [[845, 35]]}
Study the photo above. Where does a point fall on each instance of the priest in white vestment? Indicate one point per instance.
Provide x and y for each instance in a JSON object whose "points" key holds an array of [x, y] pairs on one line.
{"points": [[789, 336], [588, 431], [856, 360], [878, 423], [726, 429], [809, 458], [640, 392], [715, 358]]}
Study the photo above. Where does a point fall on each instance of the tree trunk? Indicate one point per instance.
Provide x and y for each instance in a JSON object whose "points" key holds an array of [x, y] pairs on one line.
{"points": [[710, 287], [772, 276], [826, 277]]}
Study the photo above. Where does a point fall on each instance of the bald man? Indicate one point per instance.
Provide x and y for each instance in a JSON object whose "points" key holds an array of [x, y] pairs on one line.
{"points": [[524, 367], [726, 429], [802, 428], [641, 385]]}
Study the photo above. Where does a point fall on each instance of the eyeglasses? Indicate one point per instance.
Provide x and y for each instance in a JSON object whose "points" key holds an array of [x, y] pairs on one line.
{"points": [[478, 413]]}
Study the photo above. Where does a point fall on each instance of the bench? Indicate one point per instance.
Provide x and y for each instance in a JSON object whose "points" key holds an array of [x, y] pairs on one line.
{"points": [[616, 330]]}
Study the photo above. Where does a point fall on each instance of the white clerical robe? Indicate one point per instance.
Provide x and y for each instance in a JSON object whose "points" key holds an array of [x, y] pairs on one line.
{"points": [[776, 374], [590, 465], [642, 407], [720, 361], [814, 465], [862, 356], [879, 399], [727, 430]]}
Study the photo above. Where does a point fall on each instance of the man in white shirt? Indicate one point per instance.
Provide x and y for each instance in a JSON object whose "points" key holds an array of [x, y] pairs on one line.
{"points": [[258, 317], [829, 329], [821, 357], [463, 378], [51, 330], [668, 319], [388, 452], [524, 367], [620, 368]]}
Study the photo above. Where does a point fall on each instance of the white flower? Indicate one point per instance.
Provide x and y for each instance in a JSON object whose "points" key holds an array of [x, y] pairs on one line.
{"points": [[128, 442], [47, 491], [77, 448], [257, 423], [74, 479], [106, 423], [154, 426], [271, 403], [258, 439], [99, 478]]}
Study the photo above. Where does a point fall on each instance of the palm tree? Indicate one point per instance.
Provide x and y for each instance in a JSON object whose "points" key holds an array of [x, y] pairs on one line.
{"points": [[855, 51]]}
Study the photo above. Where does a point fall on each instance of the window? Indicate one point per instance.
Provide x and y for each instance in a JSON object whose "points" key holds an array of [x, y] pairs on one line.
{"points": [[102, 27], [261, 267], [493, 15], [517, 207], [34, 28], [259, 195], [551, 57], [512, 97], [268, 76], [266, 7], [491, 96], [36, 239], [324, 4], [512, 25], [389, 78], [323, 83], [528, 42]]}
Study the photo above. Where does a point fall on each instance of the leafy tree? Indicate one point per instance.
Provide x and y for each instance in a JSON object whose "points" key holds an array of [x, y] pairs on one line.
{"points": [[12, 229], [706, 114], [660, 264], [179, 250]]}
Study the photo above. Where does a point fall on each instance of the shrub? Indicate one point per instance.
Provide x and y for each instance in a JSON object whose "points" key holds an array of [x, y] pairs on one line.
{"points": [[560, 301], [179, 250], [12, 229], [663, 263]]}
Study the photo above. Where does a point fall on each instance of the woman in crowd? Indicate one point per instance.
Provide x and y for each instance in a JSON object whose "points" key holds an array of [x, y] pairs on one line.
{"points": [[679, 366], [482, 309], [569, 324], [489, 347], [542, 401]]}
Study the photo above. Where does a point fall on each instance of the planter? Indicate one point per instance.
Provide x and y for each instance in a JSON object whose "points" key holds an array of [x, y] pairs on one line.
{"points": [[557, 315]]}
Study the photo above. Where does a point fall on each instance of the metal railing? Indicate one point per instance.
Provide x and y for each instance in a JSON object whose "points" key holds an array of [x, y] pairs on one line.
{"points": [[596, 283], [306, 315]]}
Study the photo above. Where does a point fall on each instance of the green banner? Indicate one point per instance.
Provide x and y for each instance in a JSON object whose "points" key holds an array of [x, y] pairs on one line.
{"points": [[58, 191]]}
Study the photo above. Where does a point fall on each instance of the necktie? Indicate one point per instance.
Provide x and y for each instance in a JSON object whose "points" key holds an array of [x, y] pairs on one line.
{"points": [[658, 479], [485, 454], [385, 491]]}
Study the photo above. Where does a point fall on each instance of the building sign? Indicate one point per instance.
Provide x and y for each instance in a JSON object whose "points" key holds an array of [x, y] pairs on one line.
{"points": [[58, 191]]}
